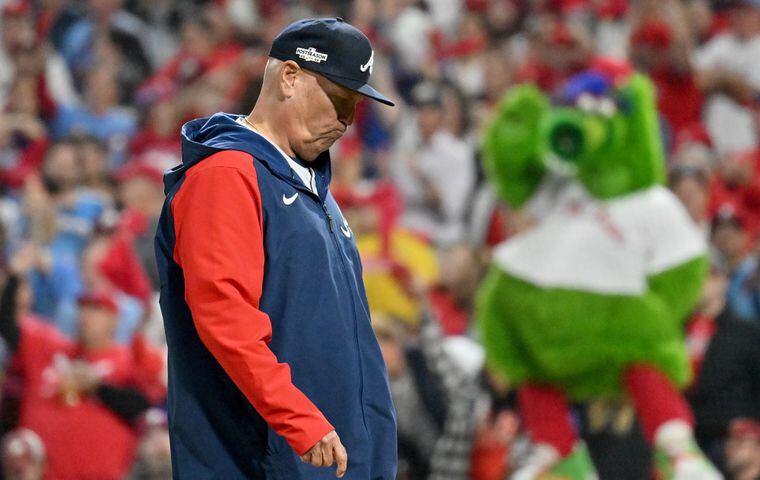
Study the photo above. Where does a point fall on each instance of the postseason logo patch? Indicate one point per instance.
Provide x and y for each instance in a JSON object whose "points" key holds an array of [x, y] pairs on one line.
{"points": [[311, 54]]}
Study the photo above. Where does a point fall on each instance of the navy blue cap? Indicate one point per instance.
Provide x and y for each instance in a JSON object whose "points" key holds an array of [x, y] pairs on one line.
{"points": [[334, 49]]}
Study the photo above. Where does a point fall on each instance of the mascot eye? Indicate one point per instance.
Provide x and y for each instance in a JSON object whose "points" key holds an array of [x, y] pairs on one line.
{"points": [[606, 107], [586, 102]]}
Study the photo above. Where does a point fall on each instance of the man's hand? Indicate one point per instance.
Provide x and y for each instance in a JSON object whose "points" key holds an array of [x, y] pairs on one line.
{"points": [[327, 452], [23, 260]]}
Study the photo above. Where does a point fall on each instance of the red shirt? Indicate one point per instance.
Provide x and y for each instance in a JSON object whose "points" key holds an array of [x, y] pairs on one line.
{"points": [[745, 199], [84, 440], [453, 320], [679, 99]]}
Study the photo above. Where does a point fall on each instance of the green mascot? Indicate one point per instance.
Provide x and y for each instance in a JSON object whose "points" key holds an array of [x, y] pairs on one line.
{"points": [[590, 301]]}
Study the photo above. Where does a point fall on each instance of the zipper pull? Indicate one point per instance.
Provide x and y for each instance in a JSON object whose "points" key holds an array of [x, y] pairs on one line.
{"points": [[329, 217]]}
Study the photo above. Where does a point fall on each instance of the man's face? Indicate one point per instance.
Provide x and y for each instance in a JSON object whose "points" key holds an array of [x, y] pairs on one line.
{"points": [[694, 196], [460, 273], [62, 166], [743, 457], [393, 355], [96, 325], [141, 194], [17, 32], [429, 119], [102, 90], [745, 21], [93, 159], [322, 111], [730, 240]]}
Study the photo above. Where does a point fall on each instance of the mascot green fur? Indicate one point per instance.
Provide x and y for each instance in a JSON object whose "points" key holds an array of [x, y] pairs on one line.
{"points": [[591, 300]]}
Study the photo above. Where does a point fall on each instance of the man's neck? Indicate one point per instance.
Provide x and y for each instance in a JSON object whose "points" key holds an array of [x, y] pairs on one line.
{"points": [[262, 125], [94, 347]]}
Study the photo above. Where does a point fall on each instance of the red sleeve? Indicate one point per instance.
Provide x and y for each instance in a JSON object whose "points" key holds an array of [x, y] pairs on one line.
{"points": [[219, 246], [149, 368], [29, 161], [38, 343]]}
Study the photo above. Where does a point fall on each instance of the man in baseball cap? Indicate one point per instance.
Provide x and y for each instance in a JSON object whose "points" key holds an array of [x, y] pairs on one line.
{"points": [[274, 369]]}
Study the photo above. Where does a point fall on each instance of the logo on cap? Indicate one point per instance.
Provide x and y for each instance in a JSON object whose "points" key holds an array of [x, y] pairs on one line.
{"points": [[311, 54], [369, 63]]}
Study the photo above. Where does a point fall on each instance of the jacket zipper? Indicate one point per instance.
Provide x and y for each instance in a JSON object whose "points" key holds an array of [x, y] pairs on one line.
{"points": [[331, 226], [345, 270], [329, 218]]}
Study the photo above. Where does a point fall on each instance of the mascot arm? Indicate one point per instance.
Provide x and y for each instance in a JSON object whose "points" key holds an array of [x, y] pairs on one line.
{"points": [[643, 146], [512, 147], [678, 262], [504, 352], [681, 286]]}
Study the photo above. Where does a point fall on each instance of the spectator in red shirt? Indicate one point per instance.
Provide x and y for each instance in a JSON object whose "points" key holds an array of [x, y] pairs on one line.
{"points": [[81, 396], [558, 51], [657, 51], [453, 297], [737, 183], [158, 142], [23, 138], [141, 192], [743, 449], [200, 52]]}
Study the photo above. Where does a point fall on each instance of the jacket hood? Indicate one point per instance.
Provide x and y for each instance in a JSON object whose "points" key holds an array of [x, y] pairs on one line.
{"points": [[204, 137]]}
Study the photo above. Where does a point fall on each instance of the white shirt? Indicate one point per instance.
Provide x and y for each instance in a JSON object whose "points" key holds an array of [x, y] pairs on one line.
{"points": [[304, 173], [731, 125], [448, 164], [612, 247]]}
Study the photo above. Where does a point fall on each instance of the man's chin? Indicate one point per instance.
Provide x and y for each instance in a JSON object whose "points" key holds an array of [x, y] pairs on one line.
{"points": [[310, 153]]}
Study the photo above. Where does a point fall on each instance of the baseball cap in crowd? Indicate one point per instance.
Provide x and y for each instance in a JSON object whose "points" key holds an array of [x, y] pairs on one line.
{"points": [[15, 8], [334, 49], [99, 299], [727, 215], [139, 169], [654, 33], [745, 428]]}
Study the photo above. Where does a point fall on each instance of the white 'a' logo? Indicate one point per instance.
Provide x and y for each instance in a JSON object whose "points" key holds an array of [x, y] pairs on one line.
{"points": [[369, 63]]}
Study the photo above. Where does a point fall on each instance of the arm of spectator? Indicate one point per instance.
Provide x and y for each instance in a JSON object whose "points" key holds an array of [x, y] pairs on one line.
{"points": [[726, 82], [20, 265], [128, 403], [39, 207], [219, 246], [432, 195], [8, 323], [28, 163], [150, 368]]}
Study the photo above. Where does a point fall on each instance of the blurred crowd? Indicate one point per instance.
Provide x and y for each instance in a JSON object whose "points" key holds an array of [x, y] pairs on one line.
{"points": [[92, 97]]}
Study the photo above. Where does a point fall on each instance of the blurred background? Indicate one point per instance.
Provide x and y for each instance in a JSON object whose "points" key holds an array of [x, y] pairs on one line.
{"points": [[92, 96]]}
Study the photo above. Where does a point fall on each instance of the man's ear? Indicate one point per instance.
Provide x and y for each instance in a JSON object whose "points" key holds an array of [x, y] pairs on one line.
{"points": [[287, 77]]}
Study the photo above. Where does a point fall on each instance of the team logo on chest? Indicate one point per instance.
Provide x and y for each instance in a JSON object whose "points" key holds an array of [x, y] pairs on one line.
{"points": [[345, 229]]}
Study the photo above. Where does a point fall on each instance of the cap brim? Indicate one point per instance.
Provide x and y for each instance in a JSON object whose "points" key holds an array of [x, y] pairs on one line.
{"points": [[363, 88]]}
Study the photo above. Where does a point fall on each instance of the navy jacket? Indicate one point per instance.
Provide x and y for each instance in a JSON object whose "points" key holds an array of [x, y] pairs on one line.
{"points": [[266, 317]]}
